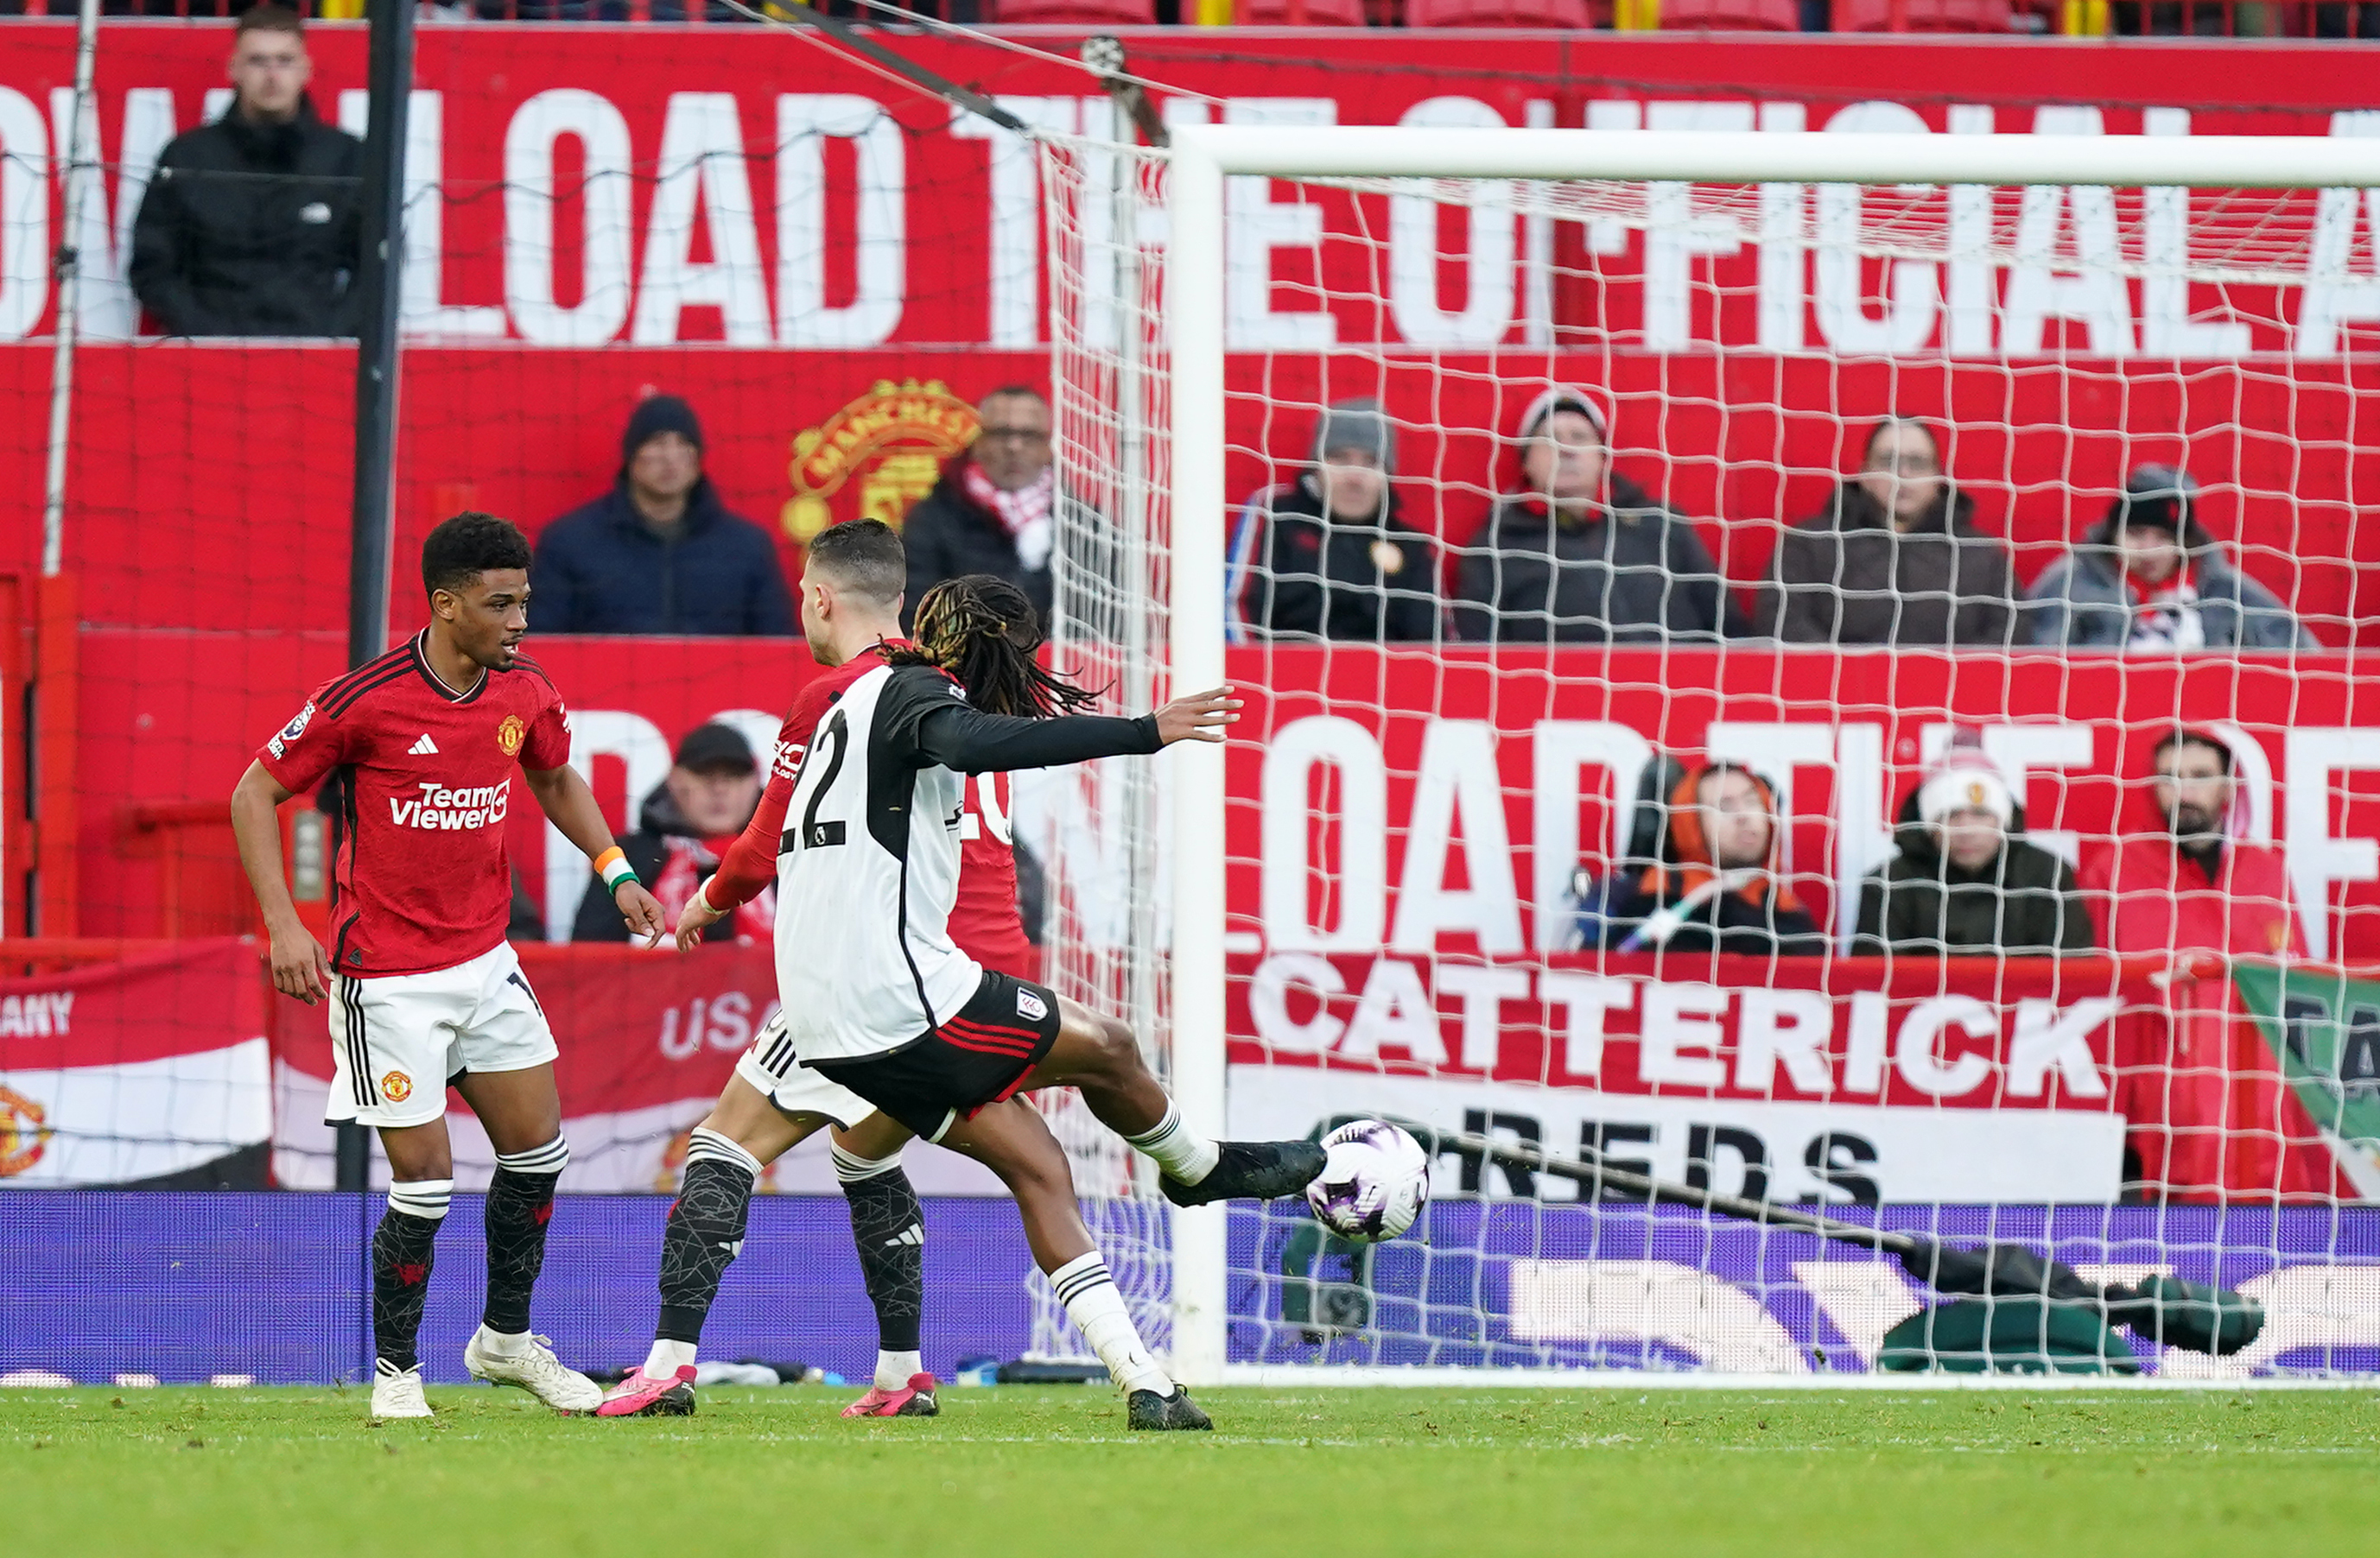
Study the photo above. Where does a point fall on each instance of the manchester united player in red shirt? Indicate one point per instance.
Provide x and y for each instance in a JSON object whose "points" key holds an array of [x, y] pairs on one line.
{"points": [[772, 1102], [424, 991]]}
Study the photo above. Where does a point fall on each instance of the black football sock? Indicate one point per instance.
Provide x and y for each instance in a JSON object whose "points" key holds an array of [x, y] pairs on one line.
{"points": [[520, 1204], [403, 1246], [889, 1226], [705, 1232]]}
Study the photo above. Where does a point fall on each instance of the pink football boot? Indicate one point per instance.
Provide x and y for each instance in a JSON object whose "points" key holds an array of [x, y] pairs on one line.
{"points": [[643, 1396], [914, 1399]]}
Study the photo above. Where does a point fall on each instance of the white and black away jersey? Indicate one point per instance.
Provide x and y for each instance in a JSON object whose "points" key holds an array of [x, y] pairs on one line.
{"points": [[869, 866]]}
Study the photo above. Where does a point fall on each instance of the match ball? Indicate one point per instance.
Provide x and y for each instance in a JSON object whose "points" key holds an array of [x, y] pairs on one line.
{"points": [[1374, 1180]]}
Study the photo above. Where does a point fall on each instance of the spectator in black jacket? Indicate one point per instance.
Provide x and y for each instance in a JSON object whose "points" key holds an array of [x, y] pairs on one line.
{"points": [[253, 226], [660, 553], [1895, 559], [1326, 556], [1576, 553], [1968, 883], [995, 509], [683, 830], [1717, 884]]}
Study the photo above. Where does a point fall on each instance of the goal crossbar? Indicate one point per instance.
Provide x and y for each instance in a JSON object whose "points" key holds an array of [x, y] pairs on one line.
{"points": [[1201, 160]]}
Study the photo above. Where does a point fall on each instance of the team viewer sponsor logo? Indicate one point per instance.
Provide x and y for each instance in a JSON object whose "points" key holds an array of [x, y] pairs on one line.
{"points": [[438, 808]]}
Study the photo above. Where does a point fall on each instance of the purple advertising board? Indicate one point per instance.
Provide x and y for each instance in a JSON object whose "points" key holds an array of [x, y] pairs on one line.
{"points": [[185, 1287]]}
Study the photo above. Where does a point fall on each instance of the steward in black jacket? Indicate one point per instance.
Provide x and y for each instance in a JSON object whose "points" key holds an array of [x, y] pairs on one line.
{"points": [[252, 228]]}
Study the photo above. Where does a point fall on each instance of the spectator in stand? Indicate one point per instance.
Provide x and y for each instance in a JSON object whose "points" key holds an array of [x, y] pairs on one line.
{"points": [[1896, 559], [2150, 579], [2196, 885], [683, 827], [2207, 1109], [253, 224], [1576, 553], [995, 509], [1717, 885], [1326, 556], [1968, 883], [660, 553]]}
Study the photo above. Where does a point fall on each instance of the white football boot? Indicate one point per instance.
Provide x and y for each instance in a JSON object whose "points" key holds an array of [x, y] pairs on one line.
{"points": [[396, 1393], [536, 1371]]}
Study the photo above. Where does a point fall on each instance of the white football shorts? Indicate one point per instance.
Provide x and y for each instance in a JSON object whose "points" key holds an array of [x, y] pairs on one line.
{"points": [[770, 1068], [396, 1042]]}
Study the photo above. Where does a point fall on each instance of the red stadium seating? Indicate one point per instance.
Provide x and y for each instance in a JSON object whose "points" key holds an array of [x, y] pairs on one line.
{"points": [[1077, 13], [1731, 16], [1507, 13], [1299, 13], [1925, 16]]}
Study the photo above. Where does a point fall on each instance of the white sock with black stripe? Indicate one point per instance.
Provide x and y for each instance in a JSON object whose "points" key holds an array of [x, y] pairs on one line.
{"points": [[1096, 1306], [704, 1142], [1186, 1156]]}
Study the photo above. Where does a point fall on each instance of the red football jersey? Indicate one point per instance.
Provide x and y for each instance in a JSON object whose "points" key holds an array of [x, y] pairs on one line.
{"points": [[984, 921], [423, 878]]}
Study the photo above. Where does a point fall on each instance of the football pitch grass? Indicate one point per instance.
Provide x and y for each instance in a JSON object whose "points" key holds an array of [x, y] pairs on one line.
{"points": [[1038, 1471]]}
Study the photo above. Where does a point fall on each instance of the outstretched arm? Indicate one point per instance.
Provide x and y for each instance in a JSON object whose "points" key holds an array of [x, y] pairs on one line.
{"points": [[974, 742], [299, 966], [563, 795], [750, 865]]}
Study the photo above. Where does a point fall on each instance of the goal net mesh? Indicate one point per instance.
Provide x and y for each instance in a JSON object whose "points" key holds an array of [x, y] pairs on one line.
{"points": [[1712, 653]]}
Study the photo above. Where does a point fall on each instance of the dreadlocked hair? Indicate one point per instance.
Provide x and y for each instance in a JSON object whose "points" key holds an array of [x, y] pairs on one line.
{"points": [[981, 630]]}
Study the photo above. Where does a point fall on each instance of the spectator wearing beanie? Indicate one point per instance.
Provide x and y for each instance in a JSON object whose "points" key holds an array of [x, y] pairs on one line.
{"points": [[1968, 883], [2150, 579], [1574, 552], [1326, 556], [660, 553]]}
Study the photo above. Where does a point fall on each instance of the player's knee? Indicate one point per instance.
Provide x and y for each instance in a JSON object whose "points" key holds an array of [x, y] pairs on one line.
{"points": [[1118, 1048]]}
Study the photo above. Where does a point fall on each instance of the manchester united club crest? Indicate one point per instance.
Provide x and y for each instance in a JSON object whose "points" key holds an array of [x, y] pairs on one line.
{"points": [[397, 1087], [24, 1131], [888, 445], [510, 733]]}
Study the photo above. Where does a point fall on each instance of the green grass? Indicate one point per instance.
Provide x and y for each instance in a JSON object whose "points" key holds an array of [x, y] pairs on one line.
{"points": [[1346, 1474]]}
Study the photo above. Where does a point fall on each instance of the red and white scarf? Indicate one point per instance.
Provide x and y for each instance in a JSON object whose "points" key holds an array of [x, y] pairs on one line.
{"points": [[2165, 617], [686, 864], [1024, 512]]}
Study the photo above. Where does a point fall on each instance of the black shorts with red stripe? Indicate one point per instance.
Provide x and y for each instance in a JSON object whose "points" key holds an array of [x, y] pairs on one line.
{"points": [[981, 1056]]}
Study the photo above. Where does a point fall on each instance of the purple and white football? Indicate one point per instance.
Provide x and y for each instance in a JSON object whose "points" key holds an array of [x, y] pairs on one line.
{"points": [[1374, 1180]]}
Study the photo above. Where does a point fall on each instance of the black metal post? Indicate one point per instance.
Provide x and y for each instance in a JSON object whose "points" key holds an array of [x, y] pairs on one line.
{"points": [[379, 283]]}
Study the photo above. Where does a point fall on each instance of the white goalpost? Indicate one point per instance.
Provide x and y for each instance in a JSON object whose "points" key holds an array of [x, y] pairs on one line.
{"points": [[2060, 310]]}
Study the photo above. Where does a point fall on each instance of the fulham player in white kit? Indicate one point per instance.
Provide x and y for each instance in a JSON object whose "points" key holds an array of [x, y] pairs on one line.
{"points": [[433, 741], [880, 999]]}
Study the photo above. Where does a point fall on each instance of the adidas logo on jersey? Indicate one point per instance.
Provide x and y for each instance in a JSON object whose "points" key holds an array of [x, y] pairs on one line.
{"points": [[913, 1234], [425, 747]]}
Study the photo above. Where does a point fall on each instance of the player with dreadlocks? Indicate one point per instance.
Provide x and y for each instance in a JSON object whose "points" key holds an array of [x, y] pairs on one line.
{"points": [[842, 815]]}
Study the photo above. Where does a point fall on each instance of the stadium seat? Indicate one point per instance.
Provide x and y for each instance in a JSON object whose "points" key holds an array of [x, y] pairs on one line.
{"points": [[1077, 13], [1925, 16], [1731, 16], [1506, 13], [1299, 13]]}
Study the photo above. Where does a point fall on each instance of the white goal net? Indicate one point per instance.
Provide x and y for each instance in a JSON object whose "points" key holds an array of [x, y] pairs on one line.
{"points": [[1823, 669]]}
